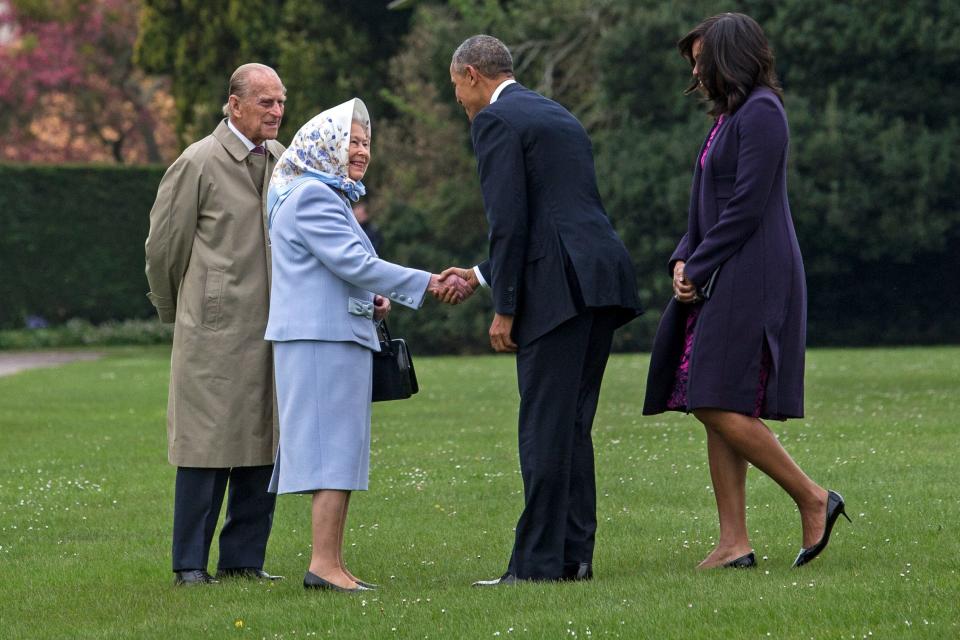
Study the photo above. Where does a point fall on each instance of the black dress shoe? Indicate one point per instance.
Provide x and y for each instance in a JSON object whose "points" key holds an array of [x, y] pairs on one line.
{"points": [[577, 571], [191, 577], [505, 579], [743, 562], [313, 581], [246, 572], [835, 508]]}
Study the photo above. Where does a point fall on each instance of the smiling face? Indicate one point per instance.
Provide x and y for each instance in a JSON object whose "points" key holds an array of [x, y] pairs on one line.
{"points": [[359, 154], [258, 114], [695, 50], [469, 90]]}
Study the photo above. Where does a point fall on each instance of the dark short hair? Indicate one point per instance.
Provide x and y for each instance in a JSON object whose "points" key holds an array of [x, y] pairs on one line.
{"points": [[735, 58], [484, 53]]}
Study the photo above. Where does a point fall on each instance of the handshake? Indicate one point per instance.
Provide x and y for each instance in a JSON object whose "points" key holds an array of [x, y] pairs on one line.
{"points": [[454, 285]]}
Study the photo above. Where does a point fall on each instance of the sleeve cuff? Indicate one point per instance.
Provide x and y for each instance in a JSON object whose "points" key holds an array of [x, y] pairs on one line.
{"points": [[483, 283], [166, 311]]}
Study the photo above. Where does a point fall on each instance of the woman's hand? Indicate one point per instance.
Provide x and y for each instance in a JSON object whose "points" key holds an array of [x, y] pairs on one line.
{"points": [[450, 287], [381, 308], [683, 289]]}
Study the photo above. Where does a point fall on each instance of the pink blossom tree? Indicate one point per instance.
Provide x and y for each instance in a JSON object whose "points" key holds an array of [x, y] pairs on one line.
{"points": [[69, 91]]}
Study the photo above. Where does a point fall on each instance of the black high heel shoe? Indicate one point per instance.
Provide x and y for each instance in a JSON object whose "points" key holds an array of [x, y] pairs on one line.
{"points": [[743, 562], [835, 508], [313, 581]]}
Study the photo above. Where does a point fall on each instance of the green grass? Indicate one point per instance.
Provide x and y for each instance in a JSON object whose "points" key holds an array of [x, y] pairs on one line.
{"points": [[86, 495]]}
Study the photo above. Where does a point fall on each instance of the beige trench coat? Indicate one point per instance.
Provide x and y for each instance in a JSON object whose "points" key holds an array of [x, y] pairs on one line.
{"points": [[208, 266]]}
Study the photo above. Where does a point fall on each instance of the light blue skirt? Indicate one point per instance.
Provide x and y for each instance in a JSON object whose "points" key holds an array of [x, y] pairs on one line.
{"points": [[323, 392]]}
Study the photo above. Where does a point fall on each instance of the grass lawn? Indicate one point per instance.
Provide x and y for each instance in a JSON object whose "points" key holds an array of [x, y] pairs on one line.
{"points": [[86, 506]]}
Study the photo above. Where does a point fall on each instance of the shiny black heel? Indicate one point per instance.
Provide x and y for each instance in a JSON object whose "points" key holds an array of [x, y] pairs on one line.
{"points": [[836, 507], [743, 562]]}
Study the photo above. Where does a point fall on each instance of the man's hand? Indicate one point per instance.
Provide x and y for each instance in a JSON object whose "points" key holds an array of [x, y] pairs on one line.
{"points": [[467, 274], [500, 338], [453, 286], [451, 289], [683, 289], [381, 308], [466, 279]]}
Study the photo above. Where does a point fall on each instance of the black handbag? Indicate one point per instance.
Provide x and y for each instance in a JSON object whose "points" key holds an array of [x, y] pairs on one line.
{"points": [[394, 377]]}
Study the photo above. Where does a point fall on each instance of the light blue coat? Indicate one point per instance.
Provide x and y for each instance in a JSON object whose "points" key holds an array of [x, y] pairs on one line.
{"points": [[325, 272]]}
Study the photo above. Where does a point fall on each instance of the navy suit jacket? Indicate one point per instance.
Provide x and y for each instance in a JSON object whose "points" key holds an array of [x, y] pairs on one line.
{"points": [[553, 251]]}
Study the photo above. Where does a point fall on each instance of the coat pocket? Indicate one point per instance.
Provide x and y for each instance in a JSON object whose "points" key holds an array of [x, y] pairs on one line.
{"points": [[212, 290], [360, 317]]}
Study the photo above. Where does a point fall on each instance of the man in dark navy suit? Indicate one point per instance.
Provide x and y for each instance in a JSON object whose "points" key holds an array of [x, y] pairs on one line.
{"points": [[562, 282]]}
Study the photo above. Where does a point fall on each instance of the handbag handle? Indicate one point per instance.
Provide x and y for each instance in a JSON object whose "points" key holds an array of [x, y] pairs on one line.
{"points": [[383, 331]]}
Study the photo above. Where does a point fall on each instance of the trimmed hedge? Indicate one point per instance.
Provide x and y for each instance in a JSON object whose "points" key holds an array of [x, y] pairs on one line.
{"points": [[80, 333], [72, 242], [72, 248]]}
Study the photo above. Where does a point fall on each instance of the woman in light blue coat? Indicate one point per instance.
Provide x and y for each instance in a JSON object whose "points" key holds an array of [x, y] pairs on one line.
{"points": [[328, 289]]}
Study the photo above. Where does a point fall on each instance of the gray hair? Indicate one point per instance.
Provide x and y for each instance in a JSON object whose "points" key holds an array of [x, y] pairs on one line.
{"points": [[484, 53], [242, 79]]}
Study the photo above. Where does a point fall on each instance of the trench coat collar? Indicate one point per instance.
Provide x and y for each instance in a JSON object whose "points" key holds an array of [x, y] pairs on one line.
{"points": [[235, 147]]}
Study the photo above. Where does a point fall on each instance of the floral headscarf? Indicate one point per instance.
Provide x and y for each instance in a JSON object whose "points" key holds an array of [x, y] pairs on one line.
{"points": [[320, 151]]}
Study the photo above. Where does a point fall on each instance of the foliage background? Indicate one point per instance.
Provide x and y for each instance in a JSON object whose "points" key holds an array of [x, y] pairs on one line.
{"points": [[874, 181]]}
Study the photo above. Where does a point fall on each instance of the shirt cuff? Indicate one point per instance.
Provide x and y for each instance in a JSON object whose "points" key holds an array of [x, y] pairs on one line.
{"points": [[483, 283]]}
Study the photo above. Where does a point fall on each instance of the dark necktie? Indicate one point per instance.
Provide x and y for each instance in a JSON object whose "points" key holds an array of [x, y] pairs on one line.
{"points": [[257, 166]]}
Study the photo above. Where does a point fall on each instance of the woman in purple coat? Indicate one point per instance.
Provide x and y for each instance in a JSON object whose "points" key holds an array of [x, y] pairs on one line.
{"points": [[730, 345]]}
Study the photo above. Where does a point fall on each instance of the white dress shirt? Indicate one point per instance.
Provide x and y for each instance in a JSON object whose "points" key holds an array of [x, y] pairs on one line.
{"points": [[244, 139]]}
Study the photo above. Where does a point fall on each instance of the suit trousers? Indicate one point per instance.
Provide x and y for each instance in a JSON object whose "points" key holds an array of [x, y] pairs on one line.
{"points": [[196, 508], [559, 376]]}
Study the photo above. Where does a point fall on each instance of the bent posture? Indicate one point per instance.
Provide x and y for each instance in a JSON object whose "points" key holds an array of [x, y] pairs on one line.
{"points": [[562, 282]]}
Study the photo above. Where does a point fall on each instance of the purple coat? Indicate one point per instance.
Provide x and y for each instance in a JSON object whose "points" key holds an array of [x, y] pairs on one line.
{"points": [[740, 227]]}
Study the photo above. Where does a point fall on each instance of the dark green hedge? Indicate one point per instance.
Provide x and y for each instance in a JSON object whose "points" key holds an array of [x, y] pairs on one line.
{"points": [[72, 248], [72, 242]]}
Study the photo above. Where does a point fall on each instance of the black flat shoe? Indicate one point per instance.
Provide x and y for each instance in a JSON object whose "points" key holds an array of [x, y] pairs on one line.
{"points": [[743, 562], [506, 579], [313, 581], [835, 508], [577, 571], [367, 585], [192, 577], [246, 572]]}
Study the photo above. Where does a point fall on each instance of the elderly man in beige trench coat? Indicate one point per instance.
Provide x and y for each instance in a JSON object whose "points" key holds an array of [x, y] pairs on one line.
{"points": [[208, 266]]}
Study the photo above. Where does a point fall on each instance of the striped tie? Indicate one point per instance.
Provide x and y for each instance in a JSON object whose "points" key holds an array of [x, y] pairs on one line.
{"points": [[258, 150]]}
